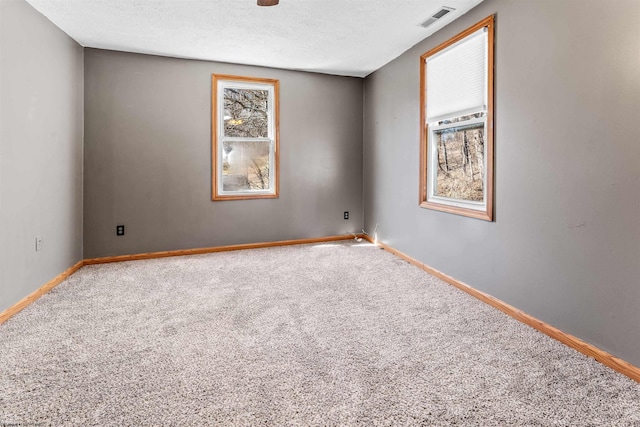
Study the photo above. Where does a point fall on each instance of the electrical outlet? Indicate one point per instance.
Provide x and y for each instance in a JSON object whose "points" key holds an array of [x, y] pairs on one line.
{"points": [[119, 230], [38, 244], [346, 214]]}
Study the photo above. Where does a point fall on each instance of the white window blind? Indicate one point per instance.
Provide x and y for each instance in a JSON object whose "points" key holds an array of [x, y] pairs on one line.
{"points": [[457, 78]]}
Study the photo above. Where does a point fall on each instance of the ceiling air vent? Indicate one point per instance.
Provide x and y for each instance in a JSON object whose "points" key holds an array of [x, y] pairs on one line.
{"points": [[444, 10]]}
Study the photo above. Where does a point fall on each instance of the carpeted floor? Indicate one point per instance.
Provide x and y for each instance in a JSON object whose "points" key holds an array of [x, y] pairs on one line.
{"points": [[333, 334]]}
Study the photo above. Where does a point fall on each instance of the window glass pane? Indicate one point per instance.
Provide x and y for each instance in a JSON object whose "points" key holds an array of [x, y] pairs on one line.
{"points": [[245, 113], [460, 157], [245, 165]]}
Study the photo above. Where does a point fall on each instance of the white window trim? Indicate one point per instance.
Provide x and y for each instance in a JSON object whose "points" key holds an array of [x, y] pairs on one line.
{"points": [[222, 83]]}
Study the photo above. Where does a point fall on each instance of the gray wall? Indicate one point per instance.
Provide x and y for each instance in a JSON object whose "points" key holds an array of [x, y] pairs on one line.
{"points": [[565, 244], [41, 108], [148, 157]]}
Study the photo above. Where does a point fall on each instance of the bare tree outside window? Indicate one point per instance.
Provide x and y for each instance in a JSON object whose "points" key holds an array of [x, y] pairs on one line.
{"points": [[245, 166], [246, 113], [460, 160]]}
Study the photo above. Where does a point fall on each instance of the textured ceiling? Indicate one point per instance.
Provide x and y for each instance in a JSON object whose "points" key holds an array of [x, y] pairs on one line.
{"points": [[345, 37]]}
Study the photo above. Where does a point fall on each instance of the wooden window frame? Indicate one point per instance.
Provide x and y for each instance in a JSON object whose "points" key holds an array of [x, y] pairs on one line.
{"points": [[487, 213], [217, 195]]}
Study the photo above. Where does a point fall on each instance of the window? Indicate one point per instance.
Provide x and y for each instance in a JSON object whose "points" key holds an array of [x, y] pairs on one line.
{"points": [[245, 138], [456, 139]]}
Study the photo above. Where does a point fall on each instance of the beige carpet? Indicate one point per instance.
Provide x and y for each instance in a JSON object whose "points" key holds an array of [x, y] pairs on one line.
{"points": [[326, 335]]}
